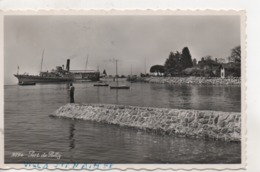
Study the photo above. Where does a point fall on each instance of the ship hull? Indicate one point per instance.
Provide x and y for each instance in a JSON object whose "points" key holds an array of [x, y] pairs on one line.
{"points": [[41, 79]]}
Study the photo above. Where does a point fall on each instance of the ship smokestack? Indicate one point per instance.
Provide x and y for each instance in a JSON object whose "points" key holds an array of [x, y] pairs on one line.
{"points": [[68, 65]]}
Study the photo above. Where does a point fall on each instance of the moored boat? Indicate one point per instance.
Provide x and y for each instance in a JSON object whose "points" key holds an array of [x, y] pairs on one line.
{"points": [[101, 85], [120, 87], [116, 77]]}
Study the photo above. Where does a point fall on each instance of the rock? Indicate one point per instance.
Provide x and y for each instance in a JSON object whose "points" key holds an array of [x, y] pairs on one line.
{"points": [[201, 115], [216, 119], [223, 117], [221, 123], [185, 124], [194, 125], [121, 107], [191, 119], [203, 121], [224, 130], [238, 130], [231, 118], [210, 121]]}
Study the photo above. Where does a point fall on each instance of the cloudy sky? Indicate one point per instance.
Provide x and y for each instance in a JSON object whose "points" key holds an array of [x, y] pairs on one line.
{"points": [[133, 40]]}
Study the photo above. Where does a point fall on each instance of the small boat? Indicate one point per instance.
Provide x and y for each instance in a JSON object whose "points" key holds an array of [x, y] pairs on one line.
{"points": [[116, 78], [120, 87], [27, 83], [101, 85]]}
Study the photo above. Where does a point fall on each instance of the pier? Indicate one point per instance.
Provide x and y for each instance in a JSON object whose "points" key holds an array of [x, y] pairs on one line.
{"points": [[217, 125]]}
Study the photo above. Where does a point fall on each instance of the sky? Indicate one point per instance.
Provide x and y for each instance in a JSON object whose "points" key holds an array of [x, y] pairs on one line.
{"points": [[136, 41]]}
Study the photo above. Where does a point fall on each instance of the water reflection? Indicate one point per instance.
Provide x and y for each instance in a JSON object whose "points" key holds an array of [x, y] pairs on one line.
{"points": [[98, 95], [71, 136], [116, 96]]}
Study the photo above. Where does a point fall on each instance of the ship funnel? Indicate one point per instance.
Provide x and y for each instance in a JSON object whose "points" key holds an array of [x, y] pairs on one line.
{"points": [[68, 65]]}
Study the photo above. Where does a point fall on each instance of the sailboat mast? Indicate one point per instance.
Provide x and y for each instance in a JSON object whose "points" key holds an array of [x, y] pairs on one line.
{"points": [[145, 65], [86, 64], [131, 70], [116, 67], [116, 73], [42, 60]]}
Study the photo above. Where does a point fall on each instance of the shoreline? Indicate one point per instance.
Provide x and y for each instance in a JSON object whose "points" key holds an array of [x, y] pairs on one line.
{"points": [[216, 125], [190, 80]]}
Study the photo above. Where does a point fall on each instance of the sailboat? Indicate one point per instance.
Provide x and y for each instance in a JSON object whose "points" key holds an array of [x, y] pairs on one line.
{"points": [[100, 83], [132, 78], [118, 86]]}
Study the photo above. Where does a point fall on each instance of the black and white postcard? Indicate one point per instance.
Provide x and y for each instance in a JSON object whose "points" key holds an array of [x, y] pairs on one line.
{"points": [[123, 90]]}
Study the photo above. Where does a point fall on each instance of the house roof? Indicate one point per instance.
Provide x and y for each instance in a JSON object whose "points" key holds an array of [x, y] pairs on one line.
{"points": [[230, 65]]}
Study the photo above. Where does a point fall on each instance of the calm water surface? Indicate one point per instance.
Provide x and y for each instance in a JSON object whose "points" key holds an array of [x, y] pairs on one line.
{"points": [[28, 125]]}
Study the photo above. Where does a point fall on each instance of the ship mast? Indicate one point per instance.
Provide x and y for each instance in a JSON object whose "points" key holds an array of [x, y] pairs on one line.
{"points": [[18, 70], [42, 60]]}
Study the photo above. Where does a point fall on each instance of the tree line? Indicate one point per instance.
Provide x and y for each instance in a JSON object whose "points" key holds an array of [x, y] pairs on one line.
{"points": [[181, 63]]}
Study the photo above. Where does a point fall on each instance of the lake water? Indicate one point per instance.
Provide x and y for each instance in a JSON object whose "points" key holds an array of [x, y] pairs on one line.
{"points": [[28, 126]]}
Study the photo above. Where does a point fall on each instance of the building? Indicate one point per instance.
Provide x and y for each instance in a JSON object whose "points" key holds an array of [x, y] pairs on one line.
{"points": [[91, 75], [231, 69], [222, 72]]}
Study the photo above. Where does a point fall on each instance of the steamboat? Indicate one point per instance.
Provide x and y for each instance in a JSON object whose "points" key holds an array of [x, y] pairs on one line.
{"points": [[59, 75]]}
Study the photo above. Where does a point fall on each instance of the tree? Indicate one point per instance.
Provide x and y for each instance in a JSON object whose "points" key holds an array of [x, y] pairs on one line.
{"points": [[173, 64], [104, 72], [194, 61], [221, 60], [235, 54], [186, 58], [159, 69], [177, 62], [207, 60]]}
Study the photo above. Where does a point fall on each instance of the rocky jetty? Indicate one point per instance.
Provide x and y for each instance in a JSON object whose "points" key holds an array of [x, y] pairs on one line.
{"points": [[190, 80], [216, 125]]}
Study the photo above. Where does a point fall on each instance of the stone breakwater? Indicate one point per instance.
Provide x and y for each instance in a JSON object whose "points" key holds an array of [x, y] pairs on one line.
{"points": [[190, 80], [216, 125]]}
